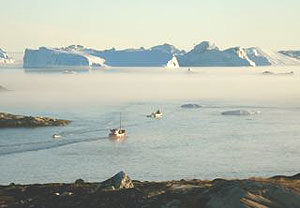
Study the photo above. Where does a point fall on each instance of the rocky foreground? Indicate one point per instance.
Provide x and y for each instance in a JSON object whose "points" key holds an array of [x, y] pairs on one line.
{"points": [[13, 121], [119, 191]]}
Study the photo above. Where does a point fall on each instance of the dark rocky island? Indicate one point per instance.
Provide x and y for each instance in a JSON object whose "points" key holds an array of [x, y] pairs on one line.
{"points": [[8, 120], [120, 191], [190, 106]]}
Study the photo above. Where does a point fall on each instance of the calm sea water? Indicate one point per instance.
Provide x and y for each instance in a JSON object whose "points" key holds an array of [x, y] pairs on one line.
{"points": [[185, 143]]}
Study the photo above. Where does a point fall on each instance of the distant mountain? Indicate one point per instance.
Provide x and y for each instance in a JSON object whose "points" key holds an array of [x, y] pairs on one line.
{"points": [[4, 58], [55, 57]]}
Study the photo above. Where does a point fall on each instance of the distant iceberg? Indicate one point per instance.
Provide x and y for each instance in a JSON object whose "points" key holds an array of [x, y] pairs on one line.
{"points": [[54, 57], [240, 113], [156, 56], [208, 54], [4, 58], [205, 54]]}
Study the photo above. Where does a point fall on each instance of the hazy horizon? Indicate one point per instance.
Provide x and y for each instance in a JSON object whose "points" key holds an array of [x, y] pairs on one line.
{"points": [[121, 24]]}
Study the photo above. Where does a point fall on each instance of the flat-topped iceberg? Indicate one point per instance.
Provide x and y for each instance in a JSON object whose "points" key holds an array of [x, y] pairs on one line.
{"points": [[156, 56], [54, 57], [4, 58]]}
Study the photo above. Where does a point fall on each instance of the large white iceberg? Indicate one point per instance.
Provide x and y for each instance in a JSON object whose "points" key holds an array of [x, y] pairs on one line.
{"points": [[4, 58], [204, 54], [54, 57], [156, 56], [208, 54]]}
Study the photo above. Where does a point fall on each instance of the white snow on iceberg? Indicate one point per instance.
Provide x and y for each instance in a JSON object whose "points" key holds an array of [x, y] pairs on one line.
{"points": [[4, 58], [54, 57], [173, 63], [208, 54]]}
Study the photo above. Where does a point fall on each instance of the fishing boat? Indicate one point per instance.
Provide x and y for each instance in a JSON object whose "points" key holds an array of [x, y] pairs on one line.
{"points": [[117, 133], [156, 114]]}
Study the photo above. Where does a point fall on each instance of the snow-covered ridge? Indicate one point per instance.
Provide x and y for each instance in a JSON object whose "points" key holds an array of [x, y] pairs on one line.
{"points": [[55, 57], [4, 58]]}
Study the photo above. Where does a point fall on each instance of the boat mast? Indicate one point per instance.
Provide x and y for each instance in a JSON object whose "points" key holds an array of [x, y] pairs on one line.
{"points": [[120, 121]]}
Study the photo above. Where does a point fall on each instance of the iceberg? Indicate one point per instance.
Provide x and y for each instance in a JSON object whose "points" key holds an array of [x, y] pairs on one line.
{"points": [[208, 54], [240, 113], [204, 54], [266, 57], [292, 54], [4, 58], [156, 56], [54, 57]]}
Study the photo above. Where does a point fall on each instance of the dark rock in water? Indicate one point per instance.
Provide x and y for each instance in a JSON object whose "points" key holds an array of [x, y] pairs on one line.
{"points": [[191, 106], [119, 181], [272, 73], [240, 113], [267, 72], [13, 121]]}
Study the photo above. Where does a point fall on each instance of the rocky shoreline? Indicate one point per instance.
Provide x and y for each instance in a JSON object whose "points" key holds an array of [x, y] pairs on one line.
{"points": [[121, 191], [8, 120]]}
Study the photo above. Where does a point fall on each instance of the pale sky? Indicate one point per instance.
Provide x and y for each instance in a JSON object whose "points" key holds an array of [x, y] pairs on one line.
{"points": [[122, 24]]}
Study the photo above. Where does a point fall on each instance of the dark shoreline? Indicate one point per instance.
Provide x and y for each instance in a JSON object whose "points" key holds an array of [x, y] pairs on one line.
{"points": [[120, 191], [8, 120]]}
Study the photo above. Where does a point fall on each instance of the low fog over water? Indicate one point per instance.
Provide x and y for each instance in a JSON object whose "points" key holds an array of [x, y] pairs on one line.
{"points": [[115, 86]]}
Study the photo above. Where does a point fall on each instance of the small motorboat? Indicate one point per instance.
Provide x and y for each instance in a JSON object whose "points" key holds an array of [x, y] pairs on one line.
{"points": [[117, 133], [56, 136], [156, 114]]}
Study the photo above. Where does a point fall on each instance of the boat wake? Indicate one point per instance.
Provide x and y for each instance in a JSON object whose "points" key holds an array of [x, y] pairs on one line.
{"points": [[38, 146]]}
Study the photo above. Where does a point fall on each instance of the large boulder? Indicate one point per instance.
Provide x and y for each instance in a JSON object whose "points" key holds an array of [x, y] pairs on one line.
{"points": [[119, 181]]}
